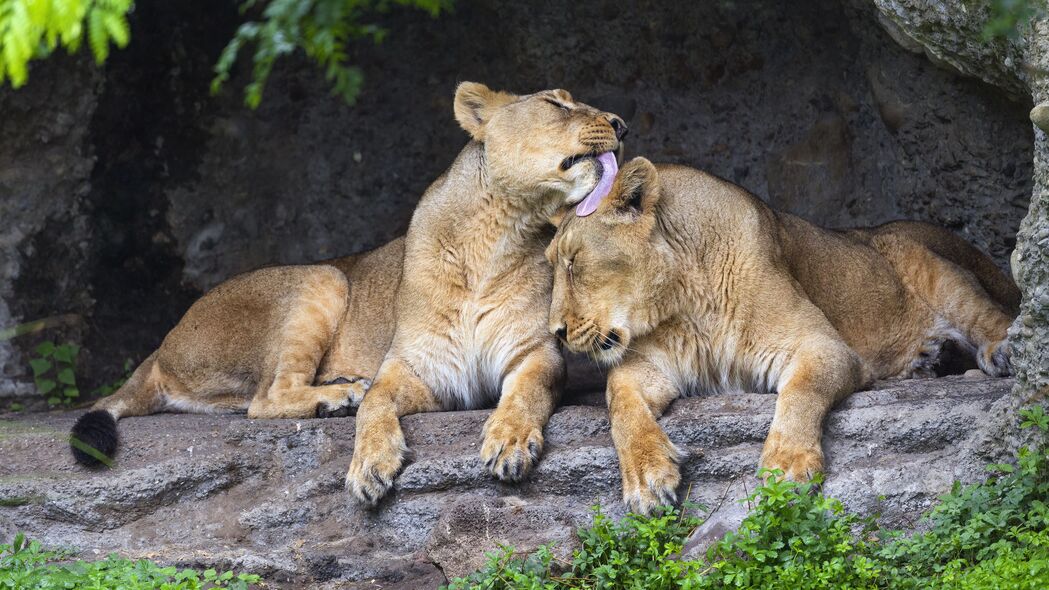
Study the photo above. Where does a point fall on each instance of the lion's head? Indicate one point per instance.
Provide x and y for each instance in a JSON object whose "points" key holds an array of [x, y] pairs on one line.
{"points": [[542, 144], [609, 268]]}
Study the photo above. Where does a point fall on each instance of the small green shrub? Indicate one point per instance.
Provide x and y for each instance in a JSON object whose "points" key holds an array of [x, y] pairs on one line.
{"points": [[28, 566], [987, 536], [53, 372]]}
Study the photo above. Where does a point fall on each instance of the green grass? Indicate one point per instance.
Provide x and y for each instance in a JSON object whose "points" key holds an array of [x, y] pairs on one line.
{"points": [[991, 535], [28, 566]]}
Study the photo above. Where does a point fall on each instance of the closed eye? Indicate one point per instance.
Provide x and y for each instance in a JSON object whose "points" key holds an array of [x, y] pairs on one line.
{"points": [[557, 104]]}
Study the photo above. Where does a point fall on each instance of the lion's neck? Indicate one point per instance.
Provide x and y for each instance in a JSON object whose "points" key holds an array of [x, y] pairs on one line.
{"points": [[491, 217]]}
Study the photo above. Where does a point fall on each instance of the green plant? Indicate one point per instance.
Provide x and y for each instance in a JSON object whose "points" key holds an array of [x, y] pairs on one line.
{"points": [[53, 372], [1008, 17], [33, 29], [794, 538], [990, 535], [28, 566], [322, 29]]}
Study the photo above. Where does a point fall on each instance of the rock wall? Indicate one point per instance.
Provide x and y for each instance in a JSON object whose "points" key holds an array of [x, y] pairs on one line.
{"points": [[950, 33], [167, 191]]}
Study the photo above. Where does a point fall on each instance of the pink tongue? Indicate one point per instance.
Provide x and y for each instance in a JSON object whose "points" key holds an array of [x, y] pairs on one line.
{"points": [[609, 169]]}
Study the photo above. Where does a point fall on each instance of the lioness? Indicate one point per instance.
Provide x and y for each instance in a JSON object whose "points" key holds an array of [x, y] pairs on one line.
{"points": [[472, 306], [685, 282], [298, 341]]}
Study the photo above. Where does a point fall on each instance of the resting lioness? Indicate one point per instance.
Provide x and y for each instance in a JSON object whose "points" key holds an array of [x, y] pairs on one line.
{"points": [[685, 283], [295, 341]]}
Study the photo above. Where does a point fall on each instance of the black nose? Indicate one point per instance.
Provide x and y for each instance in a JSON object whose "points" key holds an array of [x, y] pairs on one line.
{"points": [[619, 127], [561, 332]]}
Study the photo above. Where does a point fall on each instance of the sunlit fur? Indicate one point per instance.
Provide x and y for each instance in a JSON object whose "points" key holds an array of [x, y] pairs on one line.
{"points": [[693, 285], [267, 342], [471, 309]]}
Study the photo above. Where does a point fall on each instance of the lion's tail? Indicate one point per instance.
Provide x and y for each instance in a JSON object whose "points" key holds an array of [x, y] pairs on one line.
{"points": [[94, 437]]}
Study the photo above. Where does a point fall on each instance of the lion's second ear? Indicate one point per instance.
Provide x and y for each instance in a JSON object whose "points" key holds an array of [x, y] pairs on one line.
{"points": [[638, 187], [559, 215], [474, 104]]}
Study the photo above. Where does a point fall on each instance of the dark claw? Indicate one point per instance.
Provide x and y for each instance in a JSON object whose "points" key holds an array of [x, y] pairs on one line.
{"points": [[534, 450], [367, 496], [382, 481]]}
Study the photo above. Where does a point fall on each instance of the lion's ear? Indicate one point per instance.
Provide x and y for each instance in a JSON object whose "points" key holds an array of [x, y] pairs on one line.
{"points": [[637, 188], [559, 215], [474, 105]]}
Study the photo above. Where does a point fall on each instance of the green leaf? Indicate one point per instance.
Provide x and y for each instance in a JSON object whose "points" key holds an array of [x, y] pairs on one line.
{"points": [[67, 353], [45, 349], [66, 376], [39, 366], [97, 36], [45, 386]]}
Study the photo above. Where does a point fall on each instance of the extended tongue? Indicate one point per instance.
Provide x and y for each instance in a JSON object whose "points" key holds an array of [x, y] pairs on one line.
{"points": [[609, 169]]}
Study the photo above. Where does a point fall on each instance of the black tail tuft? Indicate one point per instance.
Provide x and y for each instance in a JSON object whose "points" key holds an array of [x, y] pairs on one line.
{"points": [[94, 439]]}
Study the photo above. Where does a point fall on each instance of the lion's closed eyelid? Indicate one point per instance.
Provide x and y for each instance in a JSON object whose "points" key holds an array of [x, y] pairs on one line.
{"points": [[557, 104]]}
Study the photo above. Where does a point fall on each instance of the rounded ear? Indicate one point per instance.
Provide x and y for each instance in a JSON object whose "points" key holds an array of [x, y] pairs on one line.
{"points": [[474, 104], [637, 188], [559, 215]]}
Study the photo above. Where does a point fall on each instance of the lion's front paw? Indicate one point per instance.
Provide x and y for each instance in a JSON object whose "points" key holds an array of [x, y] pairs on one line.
{"points": [[994, 359], [798, 461], [649, 466], [377, 458], [349, 398], [510, 448]]}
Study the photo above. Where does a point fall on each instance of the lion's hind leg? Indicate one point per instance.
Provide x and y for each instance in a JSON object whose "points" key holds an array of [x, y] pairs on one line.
{"points": [[956, 296], [304, 337]]}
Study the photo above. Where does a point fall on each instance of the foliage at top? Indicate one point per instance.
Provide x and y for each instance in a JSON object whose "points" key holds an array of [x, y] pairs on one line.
{"points": [[28, 566], [323, 29], [32, 29], [992, 535]]}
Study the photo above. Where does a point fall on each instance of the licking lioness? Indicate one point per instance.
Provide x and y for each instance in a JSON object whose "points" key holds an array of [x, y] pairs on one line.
{"points": [[685, 282], [472, 306], [295, 341]]}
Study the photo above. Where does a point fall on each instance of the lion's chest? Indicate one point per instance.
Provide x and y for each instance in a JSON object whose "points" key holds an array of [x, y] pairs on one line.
{"points": [[470, 345], [706, 356]]}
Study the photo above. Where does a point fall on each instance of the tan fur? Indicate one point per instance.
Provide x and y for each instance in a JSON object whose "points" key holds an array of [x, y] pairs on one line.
{"points": [[267, 341], [471, 306], [264, 341], [686, 283]]}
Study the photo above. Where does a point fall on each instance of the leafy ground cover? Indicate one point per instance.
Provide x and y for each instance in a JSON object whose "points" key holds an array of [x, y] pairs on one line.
{"points": [[990, 535]]}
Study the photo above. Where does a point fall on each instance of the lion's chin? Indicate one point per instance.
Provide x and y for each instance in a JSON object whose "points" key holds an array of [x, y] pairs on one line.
{"points": [[606, 358]]}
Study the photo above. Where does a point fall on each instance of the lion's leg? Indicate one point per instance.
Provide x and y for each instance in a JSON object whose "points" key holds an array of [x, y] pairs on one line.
{"points": [[637, 395], [820, 372], [955, 295], [513, 434], [379, 446], [305, 336]]}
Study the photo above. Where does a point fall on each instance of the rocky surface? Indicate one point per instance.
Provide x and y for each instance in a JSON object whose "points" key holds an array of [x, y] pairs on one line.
{"points": [[267, 496], [950, 31], [167, 191]]}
